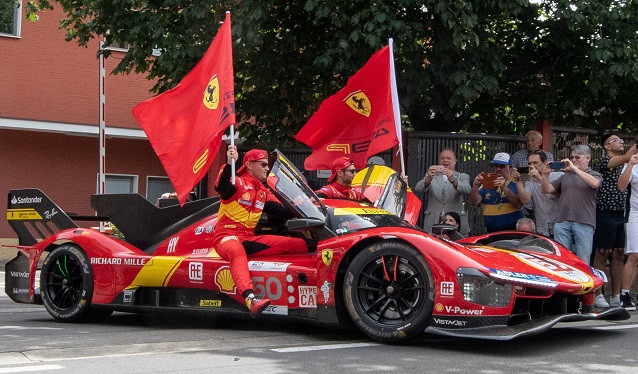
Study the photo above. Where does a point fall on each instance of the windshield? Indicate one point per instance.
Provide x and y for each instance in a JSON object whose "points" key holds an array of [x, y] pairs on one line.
{"points": [[348, 220], [293, 190]]}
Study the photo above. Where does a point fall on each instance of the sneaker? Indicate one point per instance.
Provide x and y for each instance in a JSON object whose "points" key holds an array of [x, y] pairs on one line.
{"points": [[626, 302], [615, 301], [255, 305], [600, 302]]}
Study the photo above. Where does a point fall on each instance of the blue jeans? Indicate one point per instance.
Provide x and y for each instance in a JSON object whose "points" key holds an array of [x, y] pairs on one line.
{"points": [[577, 237]]}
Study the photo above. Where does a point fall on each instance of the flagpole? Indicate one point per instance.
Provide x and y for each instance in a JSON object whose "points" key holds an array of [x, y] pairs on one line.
{"points": [[395, 106], [232, 160]]}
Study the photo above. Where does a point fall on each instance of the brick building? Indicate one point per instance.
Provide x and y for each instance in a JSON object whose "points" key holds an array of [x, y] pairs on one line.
{"points": [[49, 118]]}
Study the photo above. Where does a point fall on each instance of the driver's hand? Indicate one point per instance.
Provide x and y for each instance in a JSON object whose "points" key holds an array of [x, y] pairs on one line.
{"points": [[231, 154]]}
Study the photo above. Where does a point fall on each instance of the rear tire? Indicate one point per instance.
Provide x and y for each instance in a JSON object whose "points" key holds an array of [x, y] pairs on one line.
{"points": [[66, 284], [389, 292]]}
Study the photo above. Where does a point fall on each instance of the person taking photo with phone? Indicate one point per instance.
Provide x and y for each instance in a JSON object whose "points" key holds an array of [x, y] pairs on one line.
{"points": [[576, 192], [446, 189], [498, 194], [545, 205]]}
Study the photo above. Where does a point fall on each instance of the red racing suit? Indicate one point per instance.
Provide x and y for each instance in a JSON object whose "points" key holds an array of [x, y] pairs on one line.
{"points": [[338, 191], [234, 235]]}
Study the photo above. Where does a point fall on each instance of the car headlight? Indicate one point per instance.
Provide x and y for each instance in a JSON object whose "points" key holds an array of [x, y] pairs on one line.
{"points": [[479, 289]]}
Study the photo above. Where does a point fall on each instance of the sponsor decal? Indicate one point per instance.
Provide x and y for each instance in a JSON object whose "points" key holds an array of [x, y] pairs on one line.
{"points": [[325, 289], [438, 307], [118, 261], [447, 289], [326, 256], [135, 261], [449, 322], [199, 230], [224, 280], [200, 251], [50, 214], [195, 271], [276, 309], [459, 310], [128, 296], [211, 93], [278, 267], [516, 276], [307, 297], [554, 267], [259, 205], [211, 303], [172, 244], [23, 214], [209, 228], [227, 238], [359, 102], [17, 291], [19, 274], [26, 200], [106, 261]]}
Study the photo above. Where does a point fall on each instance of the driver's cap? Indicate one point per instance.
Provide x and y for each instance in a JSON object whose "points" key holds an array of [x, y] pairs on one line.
{"points": [[252, 155], [339, 164]]}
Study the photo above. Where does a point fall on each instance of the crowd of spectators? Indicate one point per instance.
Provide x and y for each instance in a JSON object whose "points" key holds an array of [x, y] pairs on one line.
{"points": [[577, 201]]}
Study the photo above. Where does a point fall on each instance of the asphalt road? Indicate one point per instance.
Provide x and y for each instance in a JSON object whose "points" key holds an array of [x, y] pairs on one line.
{"points": [[32, 341]]}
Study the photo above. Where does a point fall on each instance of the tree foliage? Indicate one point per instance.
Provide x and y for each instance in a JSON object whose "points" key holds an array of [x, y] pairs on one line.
{"points": [[476, 65]]}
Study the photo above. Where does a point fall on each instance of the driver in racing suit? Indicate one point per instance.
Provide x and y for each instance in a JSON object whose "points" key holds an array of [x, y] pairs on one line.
{"points": [[241, 206], [343, 171]]}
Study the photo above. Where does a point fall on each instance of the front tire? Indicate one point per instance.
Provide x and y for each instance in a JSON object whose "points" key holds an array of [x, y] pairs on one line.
{"points": [[389, 292], [66, 284]]}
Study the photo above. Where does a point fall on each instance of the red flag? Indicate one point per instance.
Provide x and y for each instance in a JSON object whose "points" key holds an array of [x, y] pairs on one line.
{"points": [[185, 124], [356, 122]]}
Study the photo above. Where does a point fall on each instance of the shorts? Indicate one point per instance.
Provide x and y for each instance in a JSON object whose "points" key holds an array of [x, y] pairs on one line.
{"points": [[632, 237], [610, 229]]}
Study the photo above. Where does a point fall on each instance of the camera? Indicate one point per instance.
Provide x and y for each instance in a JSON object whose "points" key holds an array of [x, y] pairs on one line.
{"points": [[523, 169]]}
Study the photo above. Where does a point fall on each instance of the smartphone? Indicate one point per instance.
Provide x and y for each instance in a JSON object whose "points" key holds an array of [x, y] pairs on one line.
{"points": [[523, 169], [488, 180], [556, 165]]}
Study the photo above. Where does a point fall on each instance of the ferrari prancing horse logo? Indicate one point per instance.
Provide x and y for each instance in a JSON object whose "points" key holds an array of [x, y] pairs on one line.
{"points": [[359, 102], [326, 256], [211, 94]]}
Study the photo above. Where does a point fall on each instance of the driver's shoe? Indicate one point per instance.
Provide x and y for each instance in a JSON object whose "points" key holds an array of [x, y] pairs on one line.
{"points": [[255, 305]]}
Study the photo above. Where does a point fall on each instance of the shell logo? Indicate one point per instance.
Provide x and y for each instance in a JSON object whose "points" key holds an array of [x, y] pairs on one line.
{"points": [[224, 280], [438, 307], [245, 196]]}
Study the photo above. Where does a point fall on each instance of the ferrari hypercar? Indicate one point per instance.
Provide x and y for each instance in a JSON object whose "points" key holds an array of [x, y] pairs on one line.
{"points": [[366, 267]]}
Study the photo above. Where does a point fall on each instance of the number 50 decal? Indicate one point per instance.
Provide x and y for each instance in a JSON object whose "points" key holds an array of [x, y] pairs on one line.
{"points": [[270, 289]]}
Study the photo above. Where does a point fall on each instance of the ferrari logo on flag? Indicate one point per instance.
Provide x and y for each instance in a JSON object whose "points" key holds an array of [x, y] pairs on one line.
{"points": [[359, 102], [211, 94]]}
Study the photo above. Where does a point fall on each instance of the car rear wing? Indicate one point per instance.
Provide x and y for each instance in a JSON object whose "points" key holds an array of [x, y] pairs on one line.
{"points": [[33, 216]]}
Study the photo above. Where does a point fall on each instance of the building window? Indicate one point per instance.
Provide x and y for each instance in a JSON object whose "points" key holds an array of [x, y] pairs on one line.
{"points": [[118, 47], [120, 183], [156, 186], [10, 17]]}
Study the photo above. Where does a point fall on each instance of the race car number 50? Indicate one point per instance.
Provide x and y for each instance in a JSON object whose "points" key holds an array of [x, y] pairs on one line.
{"points": [[271, 288]]}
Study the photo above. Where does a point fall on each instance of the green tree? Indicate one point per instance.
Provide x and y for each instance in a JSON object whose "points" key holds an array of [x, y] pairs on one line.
{"points": [[475, 65]]}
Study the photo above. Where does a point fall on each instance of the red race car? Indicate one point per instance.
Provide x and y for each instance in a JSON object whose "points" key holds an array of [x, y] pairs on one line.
{"points": [[367, 267]]}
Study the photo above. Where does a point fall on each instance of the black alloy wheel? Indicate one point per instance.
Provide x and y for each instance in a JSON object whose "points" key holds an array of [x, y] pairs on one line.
{"points": [[66, 284], [389, 292]]}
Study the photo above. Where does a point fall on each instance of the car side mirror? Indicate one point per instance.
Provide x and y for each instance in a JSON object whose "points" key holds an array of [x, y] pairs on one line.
{"points": [[300, 224]]}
